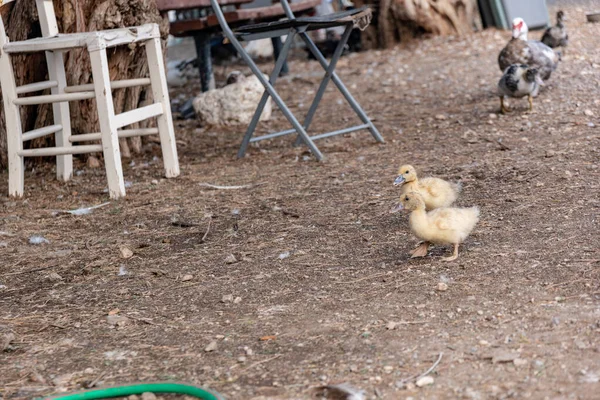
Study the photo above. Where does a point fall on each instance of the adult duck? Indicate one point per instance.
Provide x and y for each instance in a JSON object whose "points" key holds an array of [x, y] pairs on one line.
{"points": [[533, 53]]}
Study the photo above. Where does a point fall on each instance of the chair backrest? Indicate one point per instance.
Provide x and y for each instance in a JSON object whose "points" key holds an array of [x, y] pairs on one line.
{"points": [[47, 16]]}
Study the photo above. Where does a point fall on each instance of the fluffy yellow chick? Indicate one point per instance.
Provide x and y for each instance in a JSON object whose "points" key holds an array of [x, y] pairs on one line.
{"points": [[441, 226], [436, 192]]}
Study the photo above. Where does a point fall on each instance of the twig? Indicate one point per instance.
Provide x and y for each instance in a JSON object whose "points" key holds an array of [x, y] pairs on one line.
{"points": [[430, 370], [95, 381], [260, 362], [219, 187], [207, 230], [363, 279]]}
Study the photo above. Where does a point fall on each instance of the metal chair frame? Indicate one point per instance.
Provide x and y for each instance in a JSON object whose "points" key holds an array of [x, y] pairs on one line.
{"points": [[330, 75]]}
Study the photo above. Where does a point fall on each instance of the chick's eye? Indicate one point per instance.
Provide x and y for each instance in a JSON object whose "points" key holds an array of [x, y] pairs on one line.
{"points": [[406, 198], [406, 172]]}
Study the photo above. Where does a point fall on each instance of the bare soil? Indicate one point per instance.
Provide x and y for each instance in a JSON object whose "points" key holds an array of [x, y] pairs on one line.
{"points": [[304, 278]]}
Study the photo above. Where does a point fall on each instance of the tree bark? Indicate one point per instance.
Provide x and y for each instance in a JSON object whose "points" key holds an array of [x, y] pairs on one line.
{"points": [[125, 62], [401, 20]]}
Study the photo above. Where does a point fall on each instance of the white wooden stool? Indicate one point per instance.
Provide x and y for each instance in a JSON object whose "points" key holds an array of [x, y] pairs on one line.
{"points": [[54, 45]]}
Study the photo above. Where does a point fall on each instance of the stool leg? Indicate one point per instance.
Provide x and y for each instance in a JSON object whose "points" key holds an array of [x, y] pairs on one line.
{"points": [[277, 46], [14, 129], [160, 93], [56, 72], [207, 78], [108, 128]]}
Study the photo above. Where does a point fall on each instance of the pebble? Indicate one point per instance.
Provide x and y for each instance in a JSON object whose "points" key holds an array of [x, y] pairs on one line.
{"points": [[424, 381], [154, 182], [212, 346], [117, 320], [241, 359], [93, 162], [550, 153], [388, 369], [126, 252], [237, 300], [441, 117], [148, 396], [484, 343], [442, 287], [589, 113], [391, 325], [228, 298], [248, 351], [519, 362], [187, 278], [230, 259]]}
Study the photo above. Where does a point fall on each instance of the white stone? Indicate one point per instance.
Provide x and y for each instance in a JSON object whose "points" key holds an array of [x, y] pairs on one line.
{"points": [[232, 105]]}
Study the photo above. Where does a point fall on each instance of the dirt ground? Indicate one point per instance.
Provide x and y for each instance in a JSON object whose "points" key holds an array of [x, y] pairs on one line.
{"points": [[304, 278]]}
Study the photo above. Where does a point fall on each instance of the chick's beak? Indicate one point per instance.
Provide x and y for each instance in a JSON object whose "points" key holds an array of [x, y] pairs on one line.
{"points": [[539, 80], [396, 208], [399, 180]]}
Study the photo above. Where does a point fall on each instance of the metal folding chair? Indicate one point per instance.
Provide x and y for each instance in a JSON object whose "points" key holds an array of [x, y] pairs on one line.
{"points": [[292, 27]]}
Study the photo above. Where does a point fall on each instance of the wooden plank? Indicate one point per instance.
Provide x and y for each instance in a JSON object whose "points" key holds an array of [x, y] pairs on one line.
{"points": [[124, 133], [137, 115], [160, 93], [45, 10], [61, 151], [41, 132], [258, 14], [108, 126], [168, 5], [36, 87], [125, 83], [53, 98]]}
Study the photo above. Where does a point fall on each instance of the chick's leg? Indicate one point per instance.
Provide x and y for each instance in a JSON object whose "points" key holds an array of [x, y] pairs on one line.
{"points": [[503, 108], [420, 251], [454, 255], [530, 98]]}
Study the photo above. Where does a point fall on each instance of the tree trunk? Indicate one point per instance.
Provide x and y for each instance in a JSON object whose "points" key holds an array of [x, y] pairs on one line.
{"points": [[400, 20], [125, 62]]}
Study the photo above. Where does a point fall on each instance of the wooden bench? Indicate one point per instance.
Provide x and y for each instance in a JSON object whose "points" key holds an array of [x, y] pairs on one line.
{"points": [[204, 25]]}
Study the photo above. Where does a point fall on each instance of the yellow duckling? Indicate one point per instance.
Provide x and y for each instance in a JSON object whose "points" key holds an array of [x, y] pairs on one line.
{"points": [[436, 192], [442, 226]]}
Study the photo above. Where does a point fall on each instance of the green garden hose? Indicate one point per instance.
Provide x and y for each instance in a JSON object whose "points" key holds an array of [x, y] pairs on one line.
{"points": [[139, 388]]}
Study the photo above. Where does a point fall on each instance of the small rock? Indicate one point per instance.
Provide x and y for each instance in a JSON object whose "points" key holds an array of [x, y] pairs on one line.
{"points": [[88, 371], [212, 346], [126, 252], [228, 298], [241, 359], [148, 396], [133, 397], [484, 343], [187, 277], [237, 300], [519, 362], [231, 259], [93, 162], [493, 116], [504, 357], [285, 255], [53, 276], [154, 182], [37, 239], [117, 320], [391, 325], [353, 368], [410, 386], [424, 381], [388, 369], [248, 351], [442, 287], [550, 153], [589, 113], [441, 117], [5, 341]]}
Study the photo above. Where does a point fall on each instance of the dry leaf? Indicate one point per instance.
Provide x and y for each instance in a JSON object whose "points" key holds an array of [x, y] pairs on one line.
{"points": [[266, 338]]}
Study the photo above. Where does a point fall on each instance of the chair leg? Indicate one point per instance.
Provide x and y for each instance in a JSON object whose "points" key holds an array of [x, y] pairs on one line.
{"points": [[56, 72], [108, 129], [342, 88], [328, 73], [276, 98], [160, 93], [279, 63], [14, 129], [277, 47], [207, 79]]}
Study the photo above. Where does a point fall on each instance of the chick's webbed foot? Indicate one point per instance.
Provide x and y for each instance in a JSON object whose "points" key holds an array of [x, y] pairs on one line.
{"points": [[454, 255], [530, 98], [420, 251]]}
